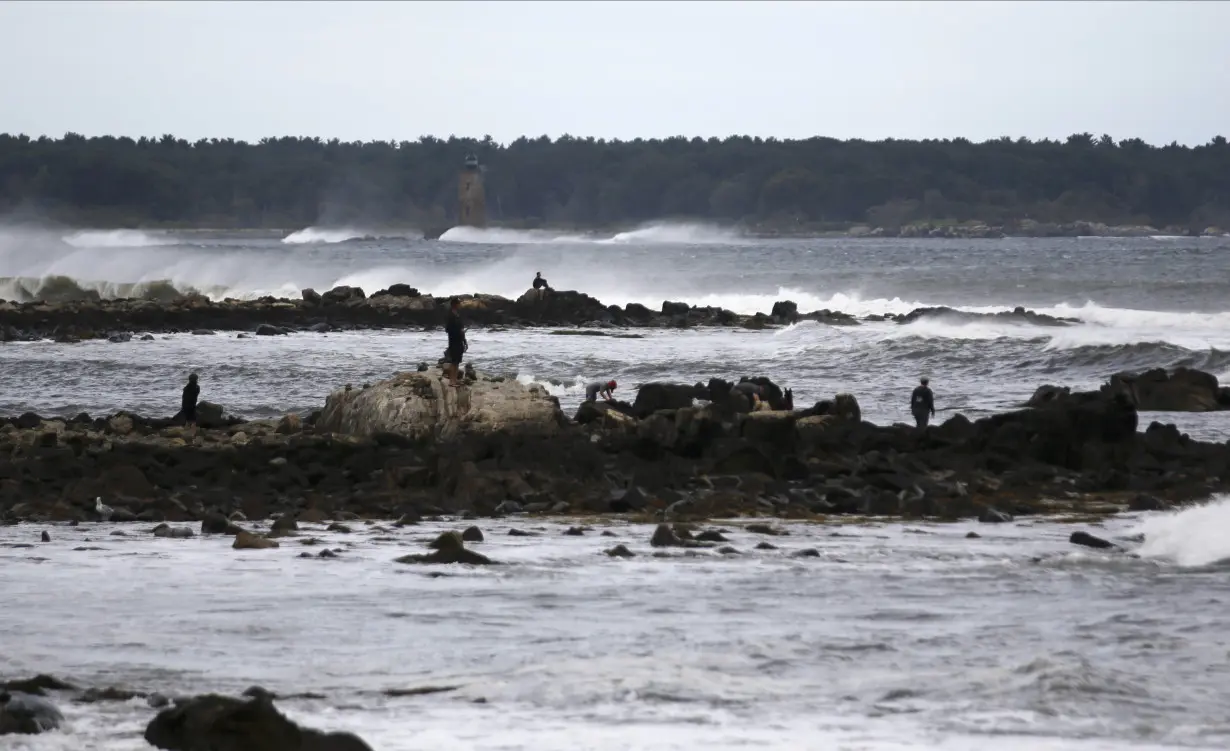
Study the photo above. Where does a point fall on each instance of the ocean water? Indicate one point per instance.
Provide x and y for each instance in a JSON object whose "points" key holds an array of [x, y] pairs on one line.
{"points": [[893, 637], [897, 636], [1143, 303]]}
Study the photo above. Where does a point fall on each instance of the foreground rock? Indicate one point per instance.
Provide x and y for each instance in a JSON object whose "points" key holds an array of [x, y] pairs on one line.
{"points": [[27, 714], [1183, 390], [222, 723]]}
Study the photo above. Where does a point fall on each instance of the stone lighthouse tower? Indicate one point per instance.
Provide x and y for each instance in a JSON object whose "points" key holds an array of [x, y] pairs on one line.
{"points": [[471, 203]]}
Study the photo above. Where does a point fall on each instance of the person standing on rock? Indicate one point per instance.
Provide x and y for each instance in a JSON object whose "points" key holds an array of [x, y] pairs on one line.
{"points": [[599, 387], [457, 344], [187, 407], [922, 404]]}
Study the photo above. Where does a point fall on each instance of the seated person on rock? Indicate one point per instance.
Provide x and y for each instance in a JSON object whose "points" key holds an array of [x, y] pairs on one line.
{"points": [[600, 387], [541, 286]]}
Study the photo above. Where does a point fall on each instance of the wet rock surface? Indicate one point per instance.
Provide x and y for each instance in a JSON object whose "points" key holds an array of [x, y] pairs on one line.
{"points": [[1157, 390], [222, 723]]}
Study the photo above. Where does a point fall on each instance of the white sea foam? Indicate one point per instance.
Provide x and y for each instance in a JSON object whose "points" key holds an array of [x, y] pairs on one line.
{"points": [[118, 238], [860, 647], [324, 235], [661, 233], [1191, 537]]}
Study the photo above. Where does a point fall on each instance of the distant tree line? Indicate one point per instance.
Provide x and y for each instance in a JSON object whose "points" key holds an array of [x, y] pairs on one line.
{"points": [[292, 182]]}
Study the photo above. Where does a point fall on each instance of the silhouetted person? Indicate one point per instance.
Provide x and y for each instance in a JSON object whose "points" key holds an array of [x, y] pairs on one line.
{"points": [[457, 344], [541, 286], [187, 406], [922, 404], [603, 388]]}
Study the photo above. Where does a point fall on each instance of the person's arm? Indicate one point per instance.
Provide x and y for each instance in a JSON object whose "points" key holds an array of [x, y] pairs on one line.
{"points": [[931, 402]]}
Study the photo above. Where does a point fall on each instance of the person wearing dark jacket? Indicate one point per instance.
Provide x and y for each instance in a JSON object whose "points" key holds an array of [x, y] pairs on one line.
{"points": [[187, 407], [457, 344], [922, 404], [540, 286]]}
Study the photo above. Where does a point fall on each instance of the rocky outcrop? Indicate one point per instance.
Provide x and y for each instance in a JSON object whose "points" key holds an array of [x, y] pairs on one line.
{"points": [[1183, 390], [398, 453], [423, 406], [1017, 315], [222, 723], [343, 308]]}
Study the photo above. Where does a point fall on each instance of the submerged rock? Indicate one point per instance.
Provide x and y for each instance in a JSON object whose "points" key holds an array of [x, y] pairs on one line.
{"points": [[248, 541], [1089, 541], [448, 548], [27, 714]]}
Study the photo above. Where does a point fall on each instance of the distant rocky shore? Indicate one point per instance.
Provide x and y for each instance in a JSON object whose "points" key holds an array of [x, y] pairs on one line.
{"points": [[1025, 228], [70, 318], [411, 447]]}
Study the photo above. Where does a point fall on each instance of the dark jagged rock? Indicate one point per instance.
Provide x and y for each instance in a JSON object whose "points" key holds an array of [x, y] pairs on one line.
{"points": [[39, 685], [1017, 315], [222, 723], [1183, 390], [342, 308], [1089, 541]]}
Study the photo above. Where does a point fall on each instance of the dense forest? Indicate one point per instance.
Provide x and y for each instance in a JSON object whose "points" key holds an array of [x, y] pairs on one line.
{"points": [[294, 182]]}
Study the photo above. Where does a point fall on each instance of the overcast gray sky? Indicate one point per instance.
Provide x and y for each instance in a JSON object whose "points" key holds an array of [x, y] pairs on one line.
{"points": [[397, 70]]}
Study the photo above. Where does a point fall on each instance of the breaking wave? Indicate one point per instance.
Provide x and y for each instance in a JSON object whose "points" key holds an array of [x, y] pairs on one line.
{"points": [[61, 289], [324, 235], [118, 238], [335, 235], [1191, 537], [653, 234]]}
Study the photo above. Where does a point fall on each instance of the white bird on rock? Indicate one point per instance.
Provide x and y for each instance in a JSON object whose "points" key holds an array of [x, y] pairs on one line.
{"points": [[104, 511]]}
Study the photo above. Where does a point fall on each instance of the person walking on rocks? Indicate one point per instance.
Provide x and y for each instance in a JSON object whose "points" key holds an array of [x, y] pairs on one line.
{"points": [[457, 344], [599, 387], [187, 406], [922, 404]]}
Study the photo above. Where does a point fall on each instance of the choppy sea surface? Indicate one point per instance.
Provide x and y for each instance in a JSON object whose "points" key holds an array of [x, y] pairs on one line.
{"points": [[1143, 303], [896, 636]]}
